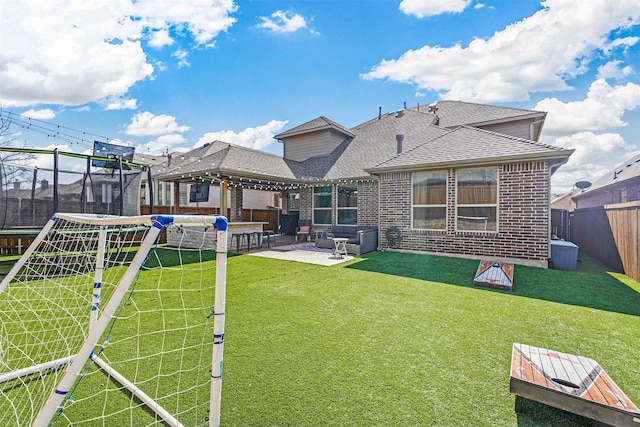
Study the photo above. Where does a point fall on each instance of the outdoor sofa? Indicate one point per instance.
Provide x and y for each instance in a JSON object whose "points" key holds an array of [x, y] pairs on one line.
{"points": [[362, 239]]}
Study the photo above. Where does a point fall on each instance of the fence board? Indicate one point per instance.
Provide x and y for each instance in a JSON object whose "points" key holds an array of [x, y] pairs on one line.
{"points": [[611, 234], [624, 220]]}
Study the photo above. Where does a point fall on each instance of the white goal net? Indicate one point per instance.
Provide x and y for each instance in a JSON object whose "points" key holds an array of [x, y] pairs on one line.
{"points": [[101, 324]]}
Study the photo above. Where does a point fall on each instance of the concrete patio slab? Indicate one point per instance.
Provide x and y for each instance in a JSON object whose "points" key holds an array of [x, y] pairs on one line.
{"points": [[319, 258]]}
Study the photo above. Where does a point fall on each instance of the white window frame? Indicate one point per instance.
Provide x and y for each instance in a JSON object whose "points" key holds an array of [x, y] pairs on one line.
{"points": [[444, 205], [495, 205]]}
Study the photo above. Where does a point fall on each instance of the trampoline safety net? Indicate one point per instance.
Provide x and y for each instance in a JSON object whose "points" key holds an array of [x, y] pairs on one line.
{"points": [[33, 186]]}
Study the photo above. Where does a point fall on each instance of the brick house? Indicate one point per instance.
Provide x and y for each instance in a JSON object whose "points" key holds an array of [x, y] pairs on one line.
{"points": [[453, 177]]}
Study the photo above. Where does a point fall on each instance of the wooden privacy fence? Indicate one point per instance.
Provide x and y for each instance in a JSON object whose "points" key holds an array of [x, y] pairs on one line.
{"points": [[611, 234]]}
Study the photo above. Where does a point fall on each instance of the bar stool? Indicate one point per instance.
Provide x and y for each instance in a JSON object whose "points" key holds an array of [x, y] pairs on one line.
{"points": [[241, 239], [257, 235], [249, 237], [268, 234]]}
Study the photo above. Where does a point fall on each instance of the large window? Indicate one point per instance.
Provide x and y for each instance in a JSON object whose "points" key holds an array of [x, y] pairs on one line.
{"points": [[322, 205], [347, 205], [477, 200], [430, 200]]}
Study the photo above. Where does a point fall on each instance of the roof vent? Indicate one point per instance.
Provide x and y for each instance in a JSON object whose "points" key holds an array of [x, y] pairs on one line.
{"points": [[399, 139], [400, 113]]}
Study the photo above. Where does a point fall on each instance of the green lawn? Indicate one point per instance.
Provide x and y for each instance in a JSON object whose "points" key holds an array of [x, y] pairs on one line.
{"points": [[393, 339], [402, 339]]}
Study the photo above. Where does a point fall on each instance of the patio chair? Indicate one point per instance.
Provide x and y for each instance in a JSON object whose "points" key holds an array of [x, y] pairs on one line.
{"points": [[303, 229]]}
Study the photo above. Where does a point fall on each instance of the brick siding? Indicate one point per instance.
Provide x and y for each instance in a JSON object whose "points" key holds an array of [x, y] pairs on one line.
{"points": [[523, 217]]}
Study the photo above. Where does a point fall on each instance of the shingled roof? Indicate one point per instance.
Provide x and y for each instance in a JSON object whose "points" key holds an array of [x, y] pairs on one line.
{"points": [[375, 142], [468, 146], [457, 113], [372, 147], [228, 159]]}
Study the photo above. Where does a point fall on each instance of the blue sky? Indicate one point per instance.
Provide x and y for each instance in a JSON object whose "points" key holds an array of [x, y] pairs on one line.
{"points": [[171, 75]]}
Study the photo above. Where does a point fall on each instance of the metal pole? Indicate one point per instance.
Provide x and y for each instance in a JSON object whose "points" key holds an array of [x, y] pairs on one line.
{"points": [[55, 180], [121, 187]]}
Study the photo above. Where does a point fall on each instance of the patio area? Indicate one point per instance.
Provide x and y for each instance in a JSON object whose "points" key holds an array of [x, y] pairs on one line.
{"points": [[305, 252]]}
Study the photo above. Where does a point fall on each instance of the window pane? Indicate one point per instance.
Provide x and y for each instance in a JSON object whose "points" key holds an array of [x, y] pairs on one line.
{"points": [[322, 216], [431, 218], [347, 197], [478, 186], [322, 197], [477, 218], [429, 188], [347, 216]]}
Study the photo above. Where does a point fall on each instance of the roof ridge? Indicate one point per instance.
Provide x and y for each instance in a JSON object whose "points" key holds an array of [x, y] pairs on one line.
{"points": [[490, 105], [305, 127]]}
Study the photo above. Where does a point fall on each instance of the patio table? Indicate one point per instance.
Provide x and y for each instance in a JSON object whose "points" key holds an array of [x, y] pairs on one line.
{"points": [[340, 246]]}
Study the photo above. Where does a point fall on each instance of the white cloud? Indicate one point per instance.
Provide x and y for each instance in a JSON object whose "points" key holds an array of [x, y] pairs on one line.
{"points": [[613, 70], [43, 114], [119, 103], [425, 8], [181, 56], [258, 137], [146, 123], [204, 19], [522, 58], [161, 144], [160, 38], [602, 109], [72, 52], [586, 163], [283, 22]]}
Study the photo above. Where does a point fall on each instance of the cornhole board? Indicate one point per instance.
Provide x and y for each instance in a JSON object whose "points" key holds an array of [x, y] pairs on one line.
{"points": [[494, 274], [571, 383]]}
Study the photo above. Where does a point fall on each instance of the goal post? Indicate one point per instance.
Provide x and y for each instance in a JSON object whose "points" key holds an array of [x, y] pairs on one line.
{"points": [[140, 358]]}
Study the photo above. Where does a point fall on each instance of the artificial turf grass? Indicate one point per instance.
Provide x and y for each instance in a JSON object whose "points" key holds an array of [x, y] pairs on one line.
{"points": [[404, 339]]}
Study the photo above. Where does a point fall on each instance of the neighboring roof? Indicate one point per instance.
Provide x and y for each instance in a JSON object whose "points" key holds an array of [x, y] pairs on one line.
{"points": [[314, 125], [626, 171], [457, 113], [563, 201], [468, 146]]}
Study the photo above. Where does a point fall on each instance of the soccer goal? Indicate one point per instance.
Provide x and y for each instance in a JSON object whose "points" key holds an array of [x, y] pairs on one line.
{"points": [[101, 324]]}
